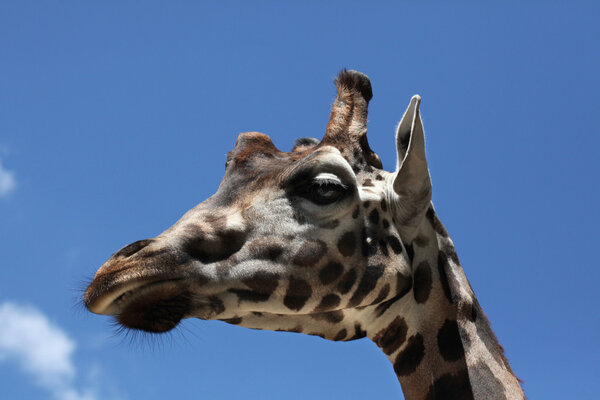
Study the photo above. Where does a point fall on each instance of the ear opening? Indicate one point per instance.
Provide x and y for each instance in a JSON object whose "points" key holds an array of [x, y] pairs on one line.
{"points": [[412, 182]]}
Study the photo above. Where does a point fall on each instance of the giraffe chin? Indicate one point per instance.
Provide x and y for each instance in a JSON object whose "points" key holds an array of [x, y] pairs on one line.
{"points": [[157, 308]]}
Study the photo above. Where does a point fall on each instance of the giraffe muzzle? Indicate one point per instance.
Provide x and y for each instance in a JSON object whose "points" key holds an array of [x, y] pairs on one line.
{"points": [[137, 269]]}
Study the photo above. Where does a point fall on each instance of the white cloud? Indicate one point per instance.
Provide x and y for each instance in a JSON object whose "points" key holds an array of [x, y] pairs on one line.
{"points": [[42, 349], [7, 181]]}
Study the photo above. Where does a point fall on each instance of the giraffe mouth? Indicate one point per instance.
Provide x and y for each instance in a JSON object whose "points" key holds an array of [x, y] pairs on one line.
{"points": [[156, 306]]}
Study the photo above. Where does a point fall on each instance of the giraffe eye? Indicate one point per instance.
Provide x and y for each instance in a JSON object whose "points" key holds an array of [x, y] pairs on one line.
{"points": [[324, 189], [326, 194]]}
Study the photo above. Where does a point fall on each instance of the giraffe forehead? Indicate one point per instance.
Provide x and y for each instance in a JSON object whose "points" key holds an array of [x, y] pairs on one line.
{"points": [[255, 164], [256, 150]]}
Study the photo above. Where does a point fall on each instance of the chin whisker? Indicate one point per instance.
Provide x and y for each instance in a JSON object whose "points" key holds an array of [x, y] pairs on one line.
{"points": [[78, 289], [143, 340]]}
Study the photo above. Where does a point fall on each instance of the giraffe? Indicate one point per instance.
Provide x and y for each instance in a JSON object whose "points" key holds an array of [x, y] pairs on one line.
{"points": [[321, 240]]}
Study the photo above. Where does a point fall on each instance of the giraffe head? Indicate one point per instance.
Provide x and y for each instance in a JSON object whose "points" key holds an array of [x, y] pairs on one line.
{"points": [[295, 241]]}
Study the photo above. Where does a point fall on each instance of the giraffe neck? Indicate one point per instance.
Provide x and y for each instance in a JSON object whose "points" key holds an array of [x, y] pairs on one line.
{"points": [[437, 337]]}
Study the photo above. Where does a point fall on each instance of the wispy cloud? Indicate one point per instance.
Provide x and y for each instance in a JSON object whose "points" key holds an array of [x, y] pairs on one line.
{"points": [[42, 350], [8, 183]]}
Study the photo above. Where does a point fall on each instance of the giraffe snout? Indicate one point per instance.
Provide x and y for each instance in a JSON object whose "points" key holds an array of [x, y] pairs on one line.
{"points": [[143, 264]]}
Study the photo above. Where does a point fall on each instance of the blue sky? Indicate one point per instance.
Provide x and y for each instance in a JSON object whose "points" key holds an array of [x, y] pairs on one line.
{"points": [[116, 118]]}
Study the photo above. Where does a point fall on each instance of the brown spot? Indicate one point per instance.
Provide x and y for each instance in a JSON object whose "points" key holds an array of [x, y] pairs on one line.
{"points": [[330, 272], [358, 332], [383, 307], [403, 284], [436, 223], [366, 285], [366, 204], [212, 250], [452, 387], [422, 282], [335, 316], [262, 249], [466, 311], [442, 268], [331, 316], [347, 281], [383, 205], [410, 252], [328, 302], [473, 316], [249, 295], [341, 335], [449, 342], [395, 244], [392, 337], [347, 244], [383, 247], [379, 177], [368, 182], [298, 293], [374, 216], [421, 241], [310, 253], [262, 282], [409, 359], [383, 294]]}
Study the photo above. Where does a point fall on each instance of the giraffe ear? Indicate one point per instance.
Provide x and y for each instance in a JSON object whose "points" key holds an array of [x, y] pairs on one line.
{"points": [[411, 183]]}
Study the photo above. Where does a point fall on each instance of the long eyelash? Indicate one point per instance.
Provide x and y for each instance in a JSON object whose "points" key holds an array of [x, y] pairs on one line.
{"points": [[325, 181]]}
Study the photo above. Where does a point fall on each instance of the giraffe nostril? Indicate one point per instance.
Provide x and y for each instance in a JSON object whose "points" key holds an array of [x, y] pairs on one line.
{"points": [[132, 248]]}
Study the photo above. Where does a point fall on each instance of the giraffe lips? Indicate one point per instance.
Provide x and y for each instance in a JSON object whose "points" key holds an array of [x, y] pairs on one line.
{"points": [[156, 306]]}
